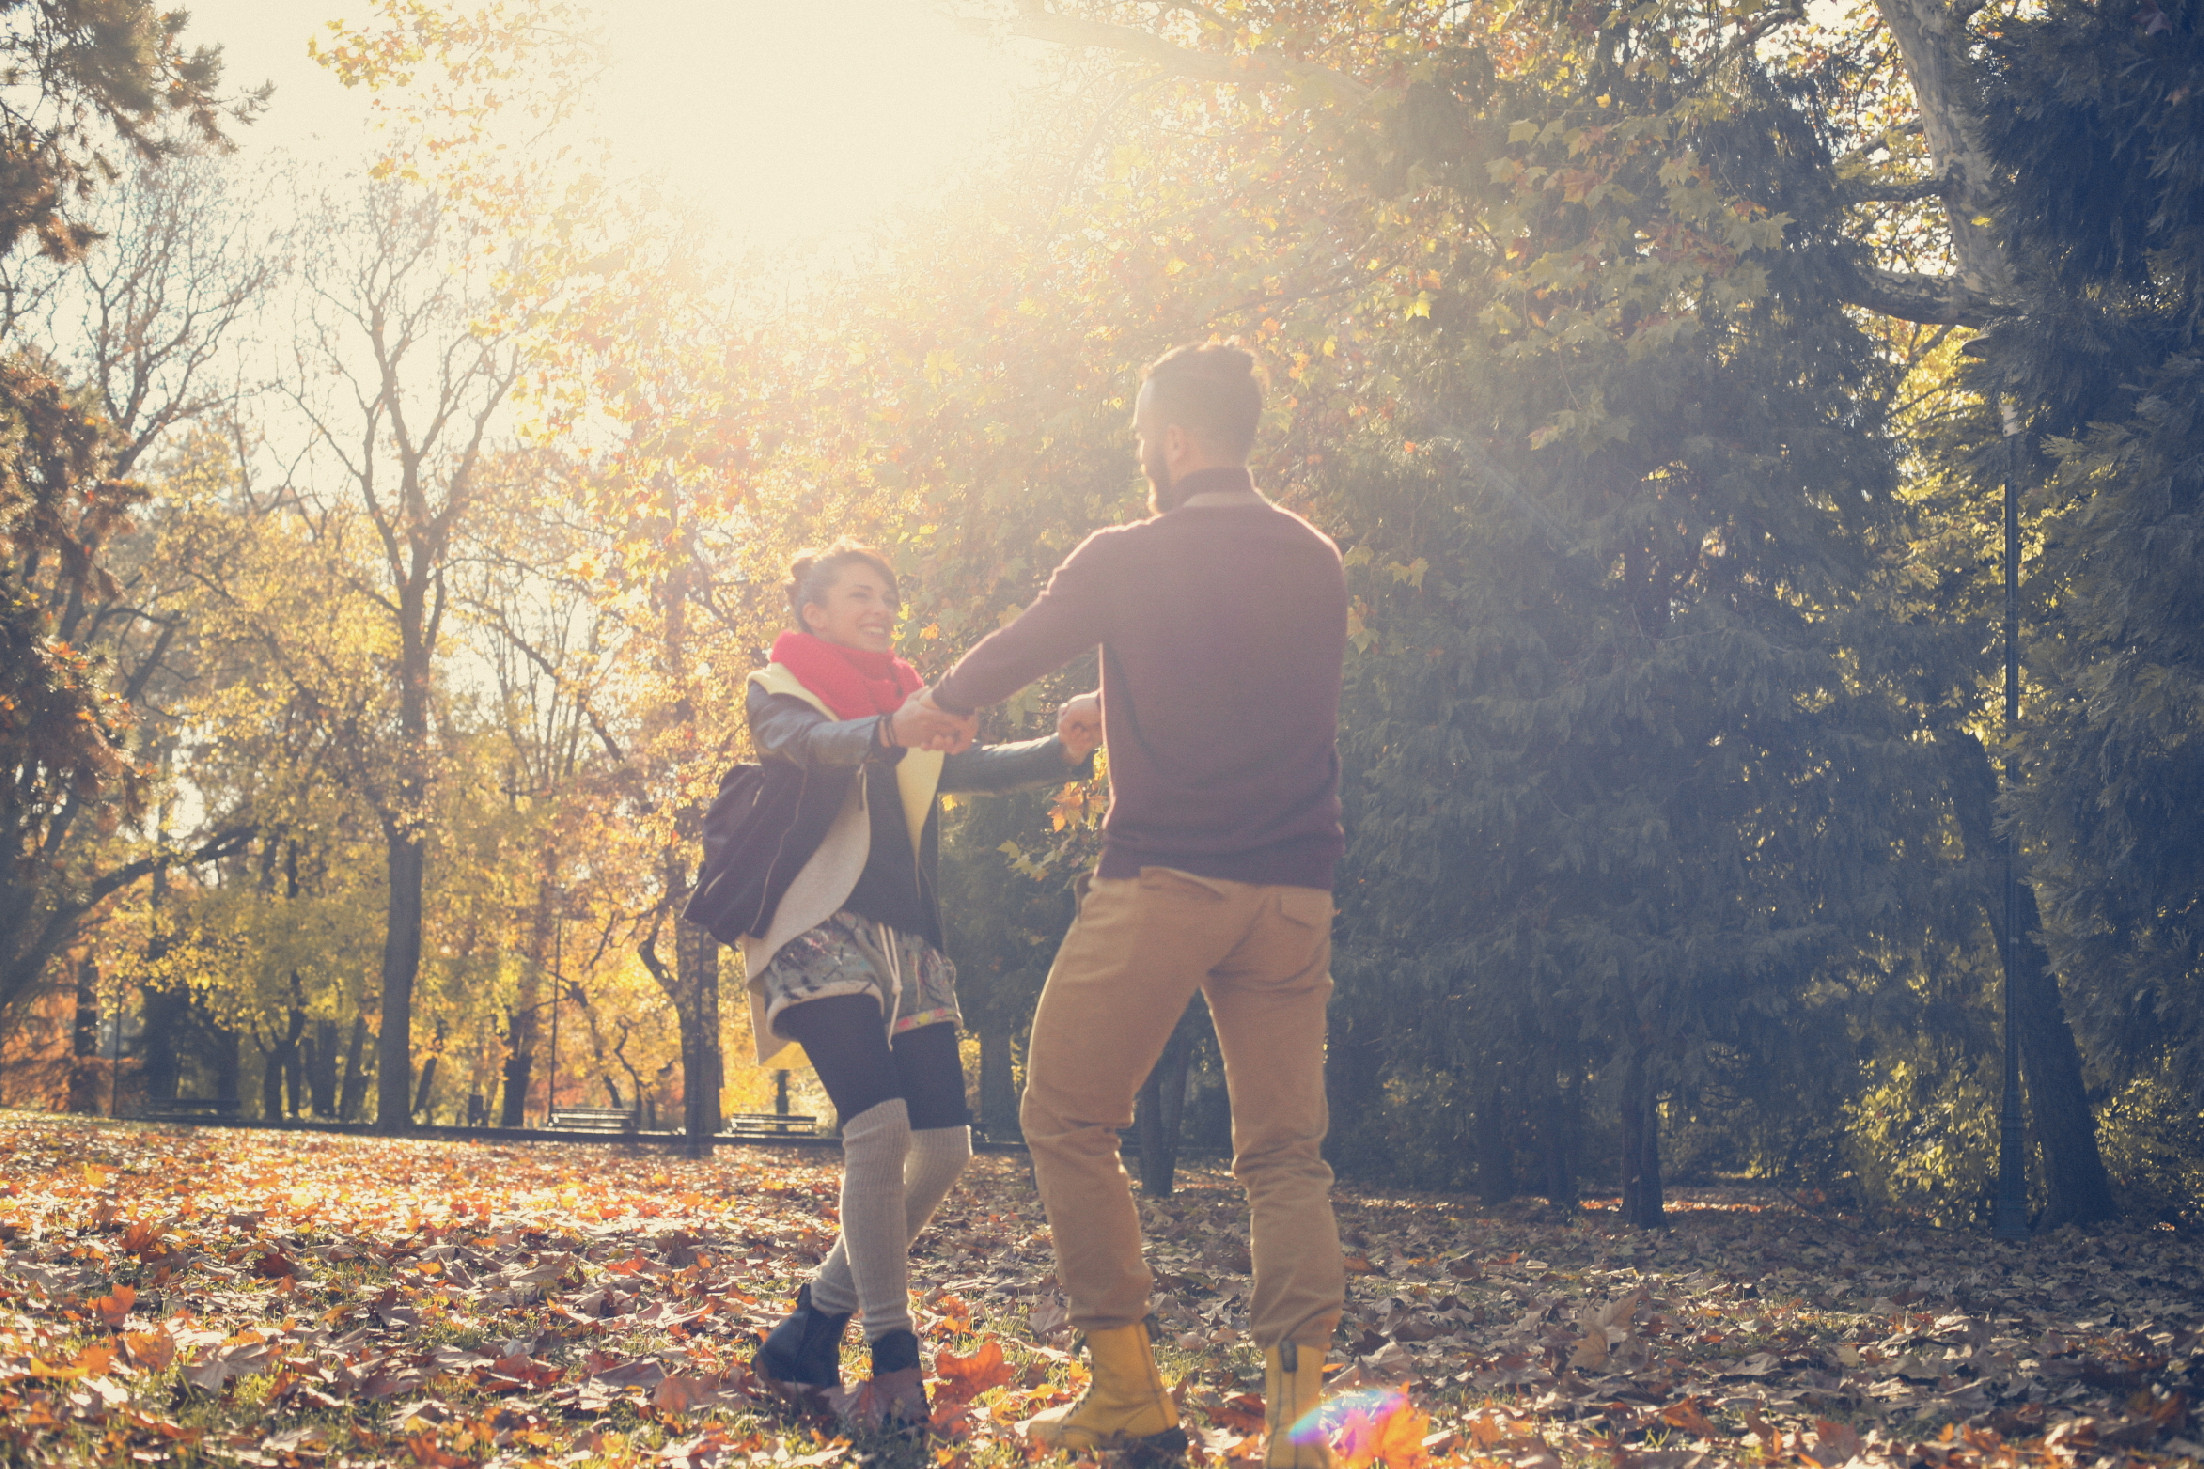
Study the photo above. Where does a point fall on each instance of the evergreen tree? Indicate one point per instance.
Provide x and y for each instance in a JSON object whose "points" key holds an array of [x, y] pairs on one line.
{"points": [[2099, 140]]}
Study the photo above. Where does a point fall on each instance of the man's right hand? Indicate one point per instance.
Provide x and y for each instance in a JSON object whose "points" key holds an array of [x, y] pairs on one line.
{"points": [[921, 724], [1079, 726]]}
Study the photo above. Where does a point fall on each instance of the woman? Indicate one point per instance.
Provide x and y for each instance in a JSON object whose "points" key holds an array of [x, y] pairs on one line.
{"points": [[851, 966]]}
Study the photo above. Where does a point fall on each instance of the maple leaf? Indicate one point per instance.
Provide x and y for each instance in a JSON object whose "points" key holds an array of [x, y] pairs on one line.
{"points": [[1389, 1432], [965, 1378], [1690, 1417], [150, 1351], [115, 1308], [683, 1394], [1834, 1443]]}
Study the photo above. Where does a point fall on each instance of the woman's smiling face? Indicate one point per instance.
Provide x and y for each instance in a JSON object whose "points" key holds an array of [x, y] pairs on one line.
{"points": [[858, 611]]}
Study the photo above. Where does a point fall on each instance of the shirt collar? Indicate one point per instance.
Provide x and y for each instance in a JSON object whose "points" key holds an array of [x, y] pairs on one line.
{"points": [[1210, 481]]}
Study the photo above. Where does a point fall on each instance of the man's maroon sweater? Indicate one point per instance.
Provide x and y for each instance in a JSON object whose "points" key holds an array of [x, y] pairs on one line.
{"points": [[1222, 629]]}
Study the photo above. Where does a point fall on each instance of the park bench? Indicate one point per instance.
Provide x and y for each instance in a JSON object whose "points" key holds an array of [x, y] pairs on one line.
{"points": [[192, 1109], [595, 1119], [769, 1125]]}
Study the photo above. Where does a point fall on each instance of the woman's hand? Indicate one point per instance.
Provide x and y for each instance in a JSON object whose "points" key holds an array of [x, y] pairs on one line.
{"points": [[1079, 726], [922, 725]]}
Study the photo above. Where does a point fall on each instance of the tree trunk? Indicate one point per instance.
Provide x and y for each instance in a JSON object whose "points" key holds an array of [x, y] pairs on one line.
{"points": [[401, 964], [167, 1020], [696, 972], [1558, 1116], [1495, 1148], [1161, 1114], [222, 1055], [998, 1086], [307, 1058], [1354, 1084], [85, 1039], [2078, 1189], [1641, 1147], [354, 1091], [321, 1069], [523, 1020], [271, 1084]]}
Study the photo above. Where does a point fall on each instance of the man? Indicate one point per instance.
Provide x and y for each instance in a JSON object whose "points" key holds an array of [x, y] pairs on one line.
{"points": [[1222, 622]]}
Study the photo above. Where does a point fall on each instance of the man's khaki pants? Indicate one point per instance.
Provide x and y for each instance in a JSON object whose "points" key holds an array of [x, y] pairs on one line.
{"points": [[1138, 950]]}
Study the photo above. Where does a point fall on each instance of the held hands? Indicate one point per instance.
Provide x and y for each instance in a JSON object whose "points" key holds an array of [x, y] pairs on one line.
{"points": [[1079, 726], [921, 724]]}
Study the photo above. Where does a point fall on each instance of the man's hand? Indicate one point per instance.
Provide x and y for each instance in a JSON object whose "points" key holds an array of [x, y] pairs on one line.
{"points": [[1079, 726], [921, 724]]}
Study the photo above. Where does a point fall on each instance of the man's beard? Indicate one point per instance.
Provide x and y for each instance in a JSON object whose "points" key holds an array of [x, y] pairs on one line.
{"points": [[1153, 465]]}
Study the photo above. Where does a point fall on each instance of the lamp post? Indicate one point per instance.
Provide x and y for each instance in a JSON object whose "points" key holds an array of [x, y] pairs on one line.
{"points": [[2012, 1164], [551, 1088], [114, 1053]]}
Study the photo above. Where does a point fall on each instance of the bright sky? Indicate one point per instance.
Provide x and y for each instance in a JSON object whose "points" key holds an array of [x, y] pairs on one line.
{"points": [[785, 118]]}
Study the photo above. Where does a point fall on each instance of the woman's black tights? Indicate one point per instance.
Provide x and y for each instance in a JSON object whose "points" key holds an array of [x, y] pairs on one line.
{"points": [[849, 1048]]}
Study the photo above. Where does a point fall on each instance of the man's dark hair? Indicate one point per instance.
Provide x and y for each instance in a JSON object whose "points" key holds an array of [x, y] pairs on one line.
{"points": [[1214, 392], [813, 574]]}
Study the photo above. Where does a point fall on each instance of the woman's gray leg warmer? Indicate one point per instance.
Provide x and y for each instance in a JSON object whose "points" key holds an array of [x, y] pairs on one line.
{"points": [[931, 1159]]}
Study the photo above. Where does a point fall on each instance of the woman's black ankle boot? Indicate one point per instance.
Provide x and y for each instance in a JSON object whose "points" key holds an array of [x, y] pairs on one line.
{"points": [[805, 1351], [894, 1399]]}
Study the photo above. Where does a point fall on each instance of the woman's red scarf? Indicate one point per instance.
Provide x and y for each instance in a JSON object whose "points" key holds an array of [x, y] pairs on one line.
{"points": [[853, 683]]}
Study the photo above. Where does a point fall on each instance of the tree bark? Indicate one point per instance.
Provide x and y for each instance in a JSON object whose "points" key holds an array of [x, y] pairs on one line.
{"points": [[222, 1055], [522, 1023], [167, 1020], [84, 1040], [427, 1088], [1495, 1148], [354, 1091], [1641, 1147], [405, 861], [998, 1084], [1160, 1116], [271, 1085], [2077, 1188], [321, 1069], [696, 973], [1354, 1082], [1934, 49], [1558, 1116]]}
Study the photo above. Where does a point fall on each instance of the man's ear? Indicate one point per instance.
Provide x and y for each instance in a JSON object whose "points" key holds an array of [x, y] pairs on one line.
{"points": [[1177, 443]]}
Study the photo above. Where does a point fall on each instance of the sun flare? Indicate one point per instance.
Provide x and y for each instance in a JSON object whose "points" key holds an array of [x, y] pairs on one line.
{"points": [[794, 117]]}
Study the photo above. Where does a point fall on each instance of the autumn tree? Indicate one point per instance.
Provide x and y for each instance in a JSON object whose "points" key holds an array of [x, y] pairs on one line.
{"points": [[114, 79], [401, 371]]}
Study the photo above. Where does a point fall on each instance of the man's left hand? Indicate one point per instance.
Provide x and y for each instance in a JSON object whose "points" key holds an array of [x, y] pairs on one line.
{"points": [[921, 724]]}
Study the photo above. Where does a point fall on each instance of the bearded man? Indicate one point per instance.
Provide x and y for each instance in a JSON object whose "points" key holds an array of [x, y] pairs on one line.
{"points": [[1222, 624]]}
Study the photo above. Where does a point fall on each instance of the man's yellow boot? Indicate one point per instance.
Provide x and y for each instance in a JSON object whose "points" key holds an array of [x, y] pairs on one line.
{"points": [[1293, 1380], [1124, 1407]]}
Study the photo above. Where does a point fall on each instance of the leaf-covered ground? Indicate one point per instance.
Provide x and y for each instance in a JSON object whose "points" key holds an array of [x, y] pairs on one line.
{"points": [[249, 1297]]}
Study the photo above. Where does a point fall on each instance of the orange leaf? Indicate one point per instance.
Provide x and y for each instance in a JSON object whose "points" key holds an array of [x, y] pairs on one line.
{"points": [[1392, 1435], [681, 1394], [150, 1351], [113, 1308], [965, 1378], [1688, 1416]]}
